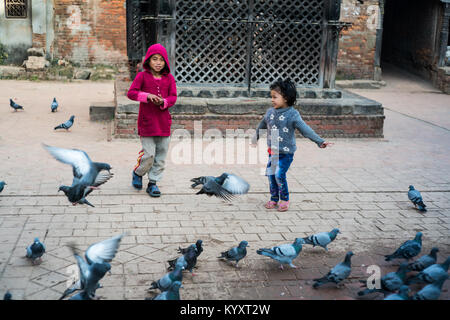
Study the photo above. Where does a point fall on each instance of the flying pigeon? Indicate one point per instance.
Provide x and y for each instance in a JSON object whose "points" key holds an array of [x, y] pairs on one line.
{"points": [[35, 250], [198, 247], [322, 239], [87, 175], [14, 105], [431, 274], [408, 250], [166, 281], [339, 273], [424, 261], [66, 125], [54, 105], [391, 282], [188, 260], [431, 291], [2, 185], [92, 270], [173, 293], [225, 186], [236, 253], [416, 198], [402, 294], [7, 296], [284, 253]]}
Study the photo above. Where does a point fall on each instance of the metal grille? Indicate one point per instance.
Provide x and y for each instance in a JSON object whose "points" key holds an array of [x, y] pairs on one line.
{"points": [[16, 8]]}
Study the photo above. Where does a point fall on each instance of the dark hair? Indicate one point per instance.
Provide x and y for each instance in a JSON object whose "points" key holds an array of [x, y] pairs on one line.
{"points": [[287, 89]]}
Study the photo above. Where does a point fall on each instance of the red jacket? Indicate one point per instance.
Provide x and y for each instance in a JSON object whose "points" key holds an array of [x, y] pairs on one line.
{"points": [[154, 120]]}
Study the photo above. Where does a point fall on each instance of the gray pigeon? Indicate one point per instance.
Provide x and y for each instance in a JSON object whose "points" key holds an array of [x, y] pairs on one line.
{"points": [[391, 282], [15, 106], [402, 294], [166, 281], [236, 253], [96, 265], [2, 185], [198, 248], [188, 260], [87, 175], [431, 274], [226, 186], [284, 253], [66, 125], [7, 296], [54, 105], [431, 291], [339, 272], [173, 293], [416, 198], [322, 239], [35, 250], [408, 250], [424, 261]]}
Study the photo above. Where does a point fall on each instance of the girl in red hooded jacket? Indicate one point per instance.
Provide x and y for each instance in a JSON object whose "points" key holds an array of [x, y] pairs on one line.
{"points": [[156, 90]]}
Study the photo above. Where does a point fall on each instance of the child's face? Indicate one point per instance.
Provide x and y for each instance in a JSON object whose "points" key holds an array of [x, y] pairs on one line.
{"points": [[157, 63], [278, 101]]}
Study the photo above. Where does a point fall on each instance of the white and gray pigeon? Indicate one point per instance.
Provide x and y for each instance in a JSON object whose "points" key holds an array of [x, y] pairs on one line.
{"points": [[431, 291], [236, 253], [168, 279], [424, 261], [187, 260], [66, 125], [87, 175], [322, 239], [408, 250], [2, 185], [402, 294], [416, 198], [284, 253], [226, 186], [339, 272], [173, 293], [54, 105], [431, 274], [35, 251], [15, 106], [390, 282], [98, 256]]}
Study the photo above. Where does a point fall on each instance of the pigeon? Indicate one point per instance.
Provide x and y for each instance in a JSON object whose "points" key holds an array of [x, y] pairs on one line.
{"points": [[416, 198], [198, 246], [424, 261], [339, 272], [402, 294], [87, 175], [236, 253], [431, 291], [408, 250], [173, 293], [66, 125], [2, 185], [322, 239], [225, 186], [14, 105], [83, 295], [7, 296], [96, 265], [431, 274], [391, 282], [35, 250], [284, 253], [188, 260], [168, 279], [54, 105]]}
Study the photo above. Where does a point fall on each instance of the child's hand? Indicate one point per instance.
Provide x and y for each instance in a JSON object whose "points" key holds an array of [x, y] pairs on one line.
{"points": [[155, 99], [326, 144]]}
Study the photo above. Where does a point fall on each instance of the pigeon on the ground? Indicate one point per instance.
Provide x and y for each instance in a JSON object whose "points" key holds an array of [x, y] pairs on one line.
{"points": [[322, 239], [35, 250], [83, 295], [391, 282], [187, 260], [431, 291], [408, 250], [339, 273], [173, 293], [87, 175], [54, 105], [14, 105], [431, 274], [226, 186], [66, 125], [284, 253], [166, 281], [198, 248], [402, 294], [424, 261], [7, 296], [416, 198], [98, 256], [236, 253], [2, 185]]}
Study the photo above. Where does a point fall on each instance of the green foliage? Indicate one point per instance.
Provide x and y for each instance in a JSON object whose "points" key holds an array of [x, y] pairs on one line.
{"points": [[3, 54]]}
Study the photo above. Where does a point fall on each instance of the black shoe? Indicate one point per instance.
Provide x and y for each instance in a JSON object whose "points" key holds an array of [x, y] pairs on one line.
{"points": [[153, 191], [137, 181]]}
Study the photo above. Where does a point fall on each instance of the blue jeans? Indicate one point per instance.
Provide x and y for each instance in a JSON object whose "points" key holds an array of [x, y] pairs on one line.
{"points": [[277, 167]]}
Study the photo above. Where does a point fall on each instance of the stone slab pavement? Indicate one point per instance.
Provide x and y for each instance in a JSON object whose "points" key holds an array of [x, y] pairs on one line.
{"points": [[357, 185]]}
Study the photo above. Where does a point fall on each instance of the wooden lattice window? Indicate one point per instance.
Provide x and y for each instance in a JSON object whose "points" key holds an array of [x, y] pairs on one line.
{"points": [[16, 8]]}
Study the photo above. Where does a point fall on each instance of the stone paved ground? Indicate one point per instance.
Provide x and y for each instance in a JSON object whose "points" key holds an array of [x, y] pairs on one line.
{"points": [[359, 186]]}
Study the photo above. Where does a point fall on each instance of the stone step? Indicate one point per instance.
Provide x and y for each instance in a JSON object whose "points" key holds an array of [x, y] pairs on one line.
{"points": [[102, 111]]}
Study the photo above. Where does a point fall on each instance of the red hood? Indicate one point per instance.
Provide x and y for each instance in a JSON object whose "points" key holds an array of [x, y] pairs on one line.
{"points": [[157, 48]]}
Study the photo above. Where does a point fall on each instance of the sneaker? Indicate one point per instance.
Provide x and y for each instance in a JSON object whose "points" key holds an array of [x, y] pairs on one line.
{"points": [[153, 191], [137, 181]]}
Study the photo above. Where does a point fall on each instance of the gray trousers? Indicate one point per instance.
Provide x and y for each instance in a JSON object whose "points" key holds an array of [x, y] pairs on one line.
{"points": [[152, 157]]}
